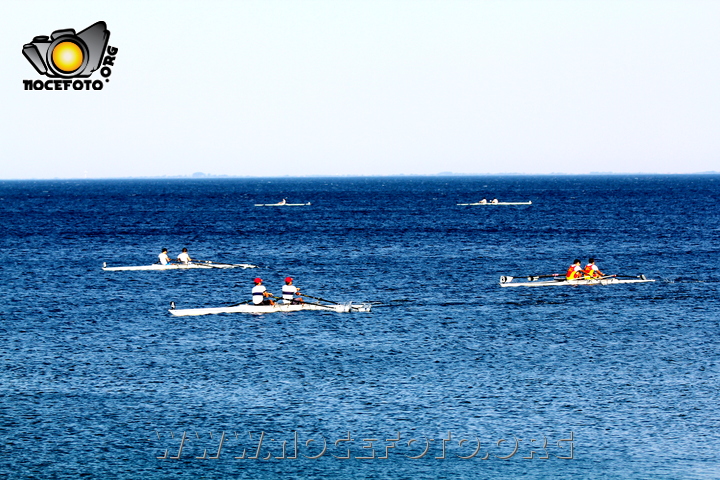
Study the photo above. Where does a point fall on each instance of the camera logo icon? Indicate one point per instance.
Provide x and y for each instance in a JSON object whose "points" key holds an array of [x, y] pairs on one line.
{"points": [[67, 54]]}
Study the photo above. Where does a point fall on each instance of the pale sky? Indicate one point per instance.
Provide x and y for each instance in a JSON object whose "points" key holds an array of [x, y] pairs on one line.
{"points": [[275, 88]]}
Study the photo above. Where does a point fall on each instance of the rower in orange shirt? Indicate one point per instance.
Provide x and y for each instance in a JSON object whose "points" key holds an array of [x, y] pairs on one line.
{"points": [[591, 270], [575, 271]]}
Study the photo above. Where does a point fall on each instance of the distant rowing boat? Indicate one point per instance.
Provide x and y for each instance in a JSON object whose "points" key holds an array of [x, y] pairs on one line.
{"points": [[180, 266], [498, 203], [506, 281], [281, 204], [278, 307]]}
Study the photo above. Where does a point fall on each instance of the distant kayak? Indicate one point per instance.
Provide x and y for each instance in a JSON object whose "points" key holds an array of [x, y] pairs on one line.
{"points": [[282, 204], [498, 203]]}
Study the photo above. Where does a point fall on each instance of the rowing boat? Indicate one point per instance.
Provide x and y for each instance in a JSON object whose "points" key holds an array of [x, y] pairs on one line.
{"points": [[506, 281], [281, 204], [498, 203], [278, 307], [180, 266]]}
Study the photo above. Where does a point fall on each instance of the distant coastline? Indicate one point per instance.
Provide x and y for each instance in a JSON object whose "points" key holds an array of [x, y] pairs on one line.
{"points": [[201, 175]]}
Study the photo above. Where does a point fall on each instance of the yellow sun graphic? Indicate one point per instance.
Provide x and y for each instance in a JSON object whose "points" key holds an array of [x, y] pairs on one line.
{"points": [[67, 56]]}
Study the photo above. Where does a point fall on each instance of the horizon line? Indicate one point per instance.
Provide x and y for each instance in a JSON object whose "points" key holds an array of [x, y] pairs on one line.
{"points": [[201, 175]]}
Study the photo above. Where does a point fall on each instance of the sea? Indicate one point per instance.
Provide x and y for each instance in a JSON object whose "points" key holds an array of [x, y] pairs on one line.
{"points": [[449, 376]]}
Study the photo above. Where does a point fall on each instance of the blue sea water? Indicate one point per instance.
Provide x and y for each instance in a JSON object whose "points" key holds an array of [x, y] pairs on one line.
{"points": [[99, 380]]}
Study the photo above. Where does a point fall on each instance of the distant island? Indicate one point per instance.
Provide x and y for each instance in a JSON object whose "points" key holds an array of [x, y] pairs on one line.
{"points": [[440, 174]]}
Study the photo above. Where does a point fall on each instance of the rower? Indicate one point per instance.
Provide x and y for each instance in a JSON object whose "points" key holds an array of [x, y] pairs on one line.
{"points": [[591, 270], [575, 271], [483, 201], [289, 291], [494, 201], [164, 259], [184, 258], [284, 201], [260, 294]]}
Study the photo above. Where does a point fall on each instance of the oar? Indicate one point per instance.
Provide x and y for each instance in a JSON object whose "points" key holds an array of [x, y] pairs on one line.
{"points": [[318, 298], [211, 264], [617, 276], [329, 301], [310, 303], [320, 305]]}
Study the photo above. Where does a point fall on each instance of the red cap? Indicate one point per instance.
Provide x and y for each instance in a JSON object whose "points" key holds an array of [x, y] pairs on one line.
{"points": [[288, 279], [258, 280]]}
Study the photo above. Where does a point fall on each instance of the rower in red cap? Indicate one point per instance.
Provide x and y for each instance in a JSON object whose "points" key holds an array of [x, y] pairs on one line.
{"points": [[260, 294], [289, 291]]}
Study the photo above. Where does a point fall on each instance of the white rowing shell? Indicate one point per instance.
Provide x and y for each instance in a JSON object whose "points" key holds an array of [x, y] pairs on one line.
{"points": [[181, 266], [507, 282], [278, 307]]}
